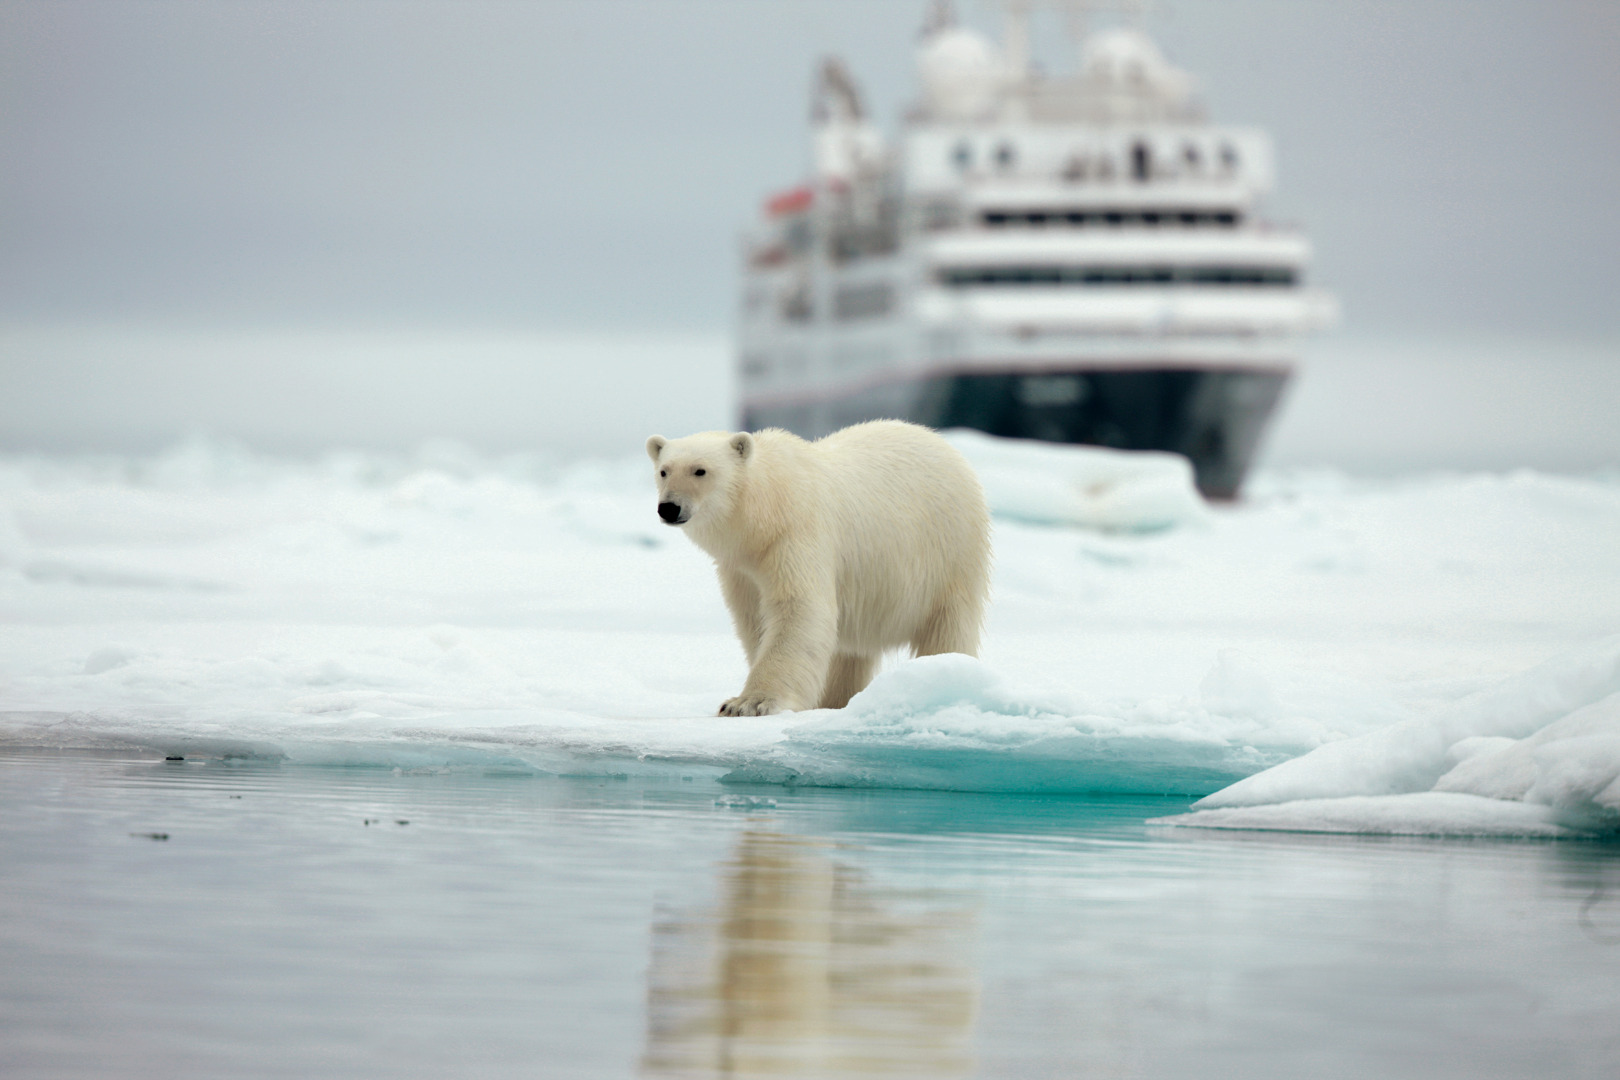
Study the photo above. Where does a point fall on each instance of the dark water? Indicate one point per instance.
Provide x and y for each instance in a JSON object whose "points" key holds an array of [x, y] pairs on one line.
{"points": [[543, 927]]}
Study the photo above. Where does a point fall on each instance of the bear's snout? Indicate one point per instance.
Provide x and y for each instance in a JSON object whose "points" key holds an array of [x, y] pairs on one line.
{"points": [[670, 512]]}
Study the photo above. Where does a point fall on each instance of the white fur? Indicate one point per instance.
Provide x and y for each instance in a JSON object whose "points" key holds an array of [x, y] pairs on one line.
{"points": [[831, 552]]}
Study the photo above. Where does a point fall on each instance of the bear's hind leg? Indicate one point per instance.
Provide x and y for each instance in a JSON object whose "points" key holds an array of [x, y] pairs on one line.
{"points": [[952, 628], [847, 677]]}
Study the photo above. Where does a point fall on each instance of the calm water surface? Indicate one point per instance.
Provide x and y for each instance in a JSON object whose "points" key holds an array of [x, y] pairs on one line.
{"points": [[512, 925]]}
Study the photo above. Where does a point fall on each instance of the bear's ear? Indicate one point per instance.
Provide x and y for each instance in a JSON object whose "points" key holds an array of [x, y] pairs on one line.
{"points": [[655, 446], [743, 443]]}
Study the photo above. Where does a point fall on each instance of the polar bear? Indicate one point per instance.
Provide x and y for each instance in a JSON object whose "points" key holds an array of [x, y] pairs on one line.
{"points": [[831, 552]]}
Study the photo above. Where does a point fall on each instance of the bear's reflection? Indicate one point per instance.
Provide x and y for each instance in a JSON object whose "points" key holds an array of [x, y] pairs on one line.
{"points": [[807, 970]]}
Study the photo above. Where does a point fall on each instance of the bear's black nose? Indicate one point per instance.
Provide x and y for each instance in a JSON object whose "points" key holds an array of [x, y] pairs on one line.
{"points": [[669, 512]]}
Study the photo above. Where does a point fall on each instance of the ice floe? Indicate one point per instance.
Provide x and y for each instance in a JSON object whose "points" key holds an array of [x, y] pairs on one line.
{"points": [[1328, 640]]}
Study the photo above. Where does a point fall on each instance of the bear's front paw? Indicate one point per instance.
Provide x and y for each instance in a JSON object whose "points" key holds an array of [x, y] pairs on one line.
{"points": [[750, 705]]}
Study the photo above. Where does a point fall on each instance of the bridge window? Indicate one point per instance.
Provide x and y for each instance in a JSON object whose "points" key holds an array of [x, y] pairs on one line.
{"points": [[1037, 217], [1141, 162], [1140, 274]]}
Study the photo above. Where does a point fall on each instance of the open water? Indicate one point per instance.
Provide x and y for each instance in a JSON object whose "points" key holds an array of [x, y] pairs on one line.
{"points": [[191, 919]]}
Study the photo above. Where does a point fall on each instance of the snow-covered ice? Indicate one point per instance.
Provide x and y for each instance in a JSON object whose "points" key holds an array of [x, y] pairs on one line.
{"points": [[1537, 755], [1430, 654], [1091, 486]]}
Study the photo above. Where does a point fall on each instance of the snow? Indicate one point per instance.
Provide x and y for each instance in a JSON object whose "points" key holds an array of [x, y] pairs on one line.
{"points": [[1429, 653]]}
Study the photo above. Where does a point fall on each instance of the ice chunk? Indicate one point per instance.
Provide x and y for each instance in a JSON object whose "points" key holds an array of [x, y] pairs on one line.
{"points": [[1542, 750], [1089, 486], [1412, 755]]}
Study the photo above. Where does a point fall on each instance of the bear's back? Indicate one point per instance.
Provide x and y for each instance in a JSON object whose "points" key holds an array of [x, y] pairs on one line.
{"points": [[908, 516], [899, 458]]}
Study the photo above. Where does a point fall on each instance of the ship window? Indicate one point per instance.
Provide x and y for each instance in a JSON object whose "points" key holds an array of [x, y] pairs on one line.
{"points": [[939, 214], [1190, 155], [1049, 274], [962, 156], [1050, 391], [794, 303], [1229, 157], [1041, 217], [799, 237], [1006, 155], [1141, 162], [863, 301]]}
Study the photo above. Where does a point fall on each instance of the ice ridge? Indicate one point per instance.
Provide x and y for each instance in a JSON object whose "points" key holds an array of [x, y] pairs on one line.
{"points": [[1536, 755]]}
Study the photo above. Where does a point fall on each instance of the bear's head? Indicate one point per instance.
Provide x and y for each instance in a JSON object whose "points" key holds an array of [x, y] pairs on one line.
{"points": [[699, 476]]}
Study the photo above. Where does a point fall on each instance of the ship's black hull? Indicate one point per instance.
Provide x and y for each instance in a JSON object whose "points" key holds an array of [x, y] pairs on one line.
{"points": [[1213, 417]]}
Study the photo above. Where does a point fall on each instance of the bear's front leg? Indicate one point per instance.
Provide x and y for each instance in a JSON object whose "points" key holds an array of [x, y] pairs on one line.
{"points": [[800, 631], [749, 705]]}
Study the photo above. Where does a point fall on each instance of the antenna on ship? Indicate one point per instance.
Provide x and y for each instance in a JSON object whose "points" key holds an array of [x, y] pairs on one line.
{"points": [[1016, 48], [941, 16], [836, 97], [1076, 17], [1016, 34]]}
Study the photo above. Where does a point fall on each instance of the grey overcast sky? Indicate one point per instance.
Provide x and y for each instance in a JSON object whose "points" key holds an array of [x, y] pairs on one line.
{"points": [[586, 164]]}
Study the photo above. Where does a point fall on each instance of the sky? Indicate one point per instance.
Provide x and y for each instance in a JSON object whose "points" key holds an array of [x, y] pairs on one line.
{"points": [[584, 167]]}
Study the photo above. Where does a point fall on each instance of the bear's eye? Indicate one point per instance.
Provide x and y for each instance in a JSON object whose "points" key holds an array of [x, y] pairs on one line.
{"points": [[663, 472], [699, 472]]}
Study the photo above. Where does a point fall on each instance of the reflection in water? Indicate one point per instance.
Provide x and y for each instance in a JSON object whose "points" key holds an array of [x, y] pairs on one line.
{"points": [[808, 970], [1592, 871]]}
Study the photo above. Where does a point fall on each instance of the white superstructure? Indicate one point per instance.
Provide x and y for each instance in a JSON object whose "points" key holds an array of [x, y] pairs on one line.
{"points": [[1039, 230]]}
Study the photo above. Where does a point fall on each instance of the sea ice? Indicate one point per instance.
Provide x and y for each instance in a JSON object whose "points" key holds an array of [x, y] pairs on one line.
{"points": [[1329, 638]]}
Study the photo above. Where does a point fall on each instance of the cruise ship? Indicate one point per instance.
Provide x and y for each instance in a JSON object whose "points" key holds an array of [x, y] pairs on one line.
{"points": [[1075, 258]]}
